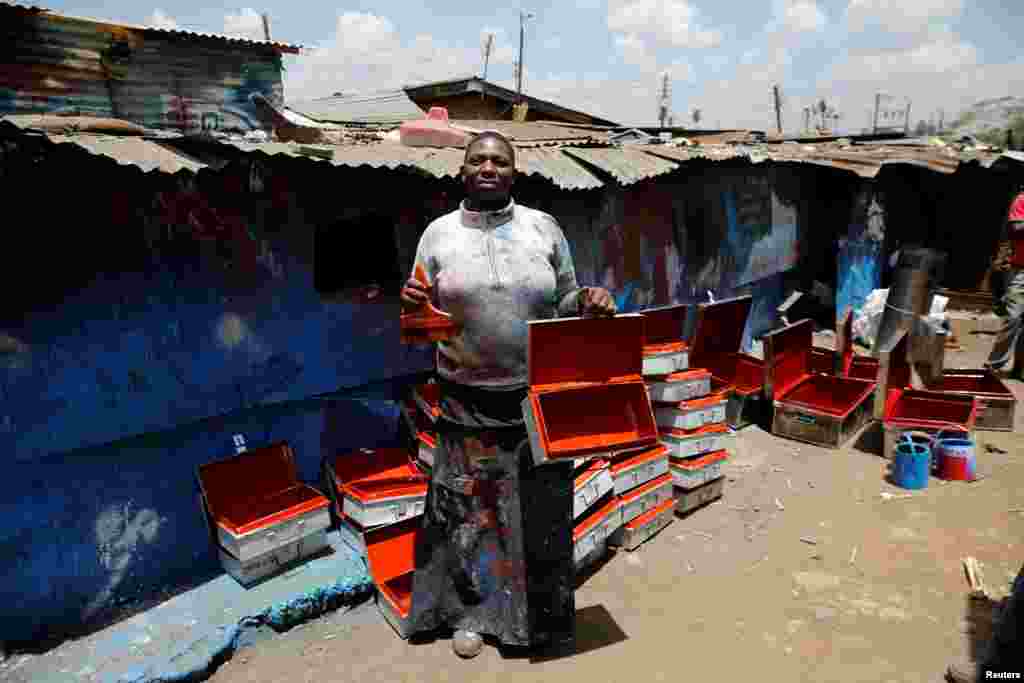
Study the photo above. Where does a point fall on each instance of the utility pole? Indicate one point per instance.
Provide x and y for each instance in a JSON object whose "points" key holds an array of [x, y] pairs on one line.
{"points": [[663, 100], [488, 45], [906, 120], [942, 118], [266, 27], [778, 108], [523, 16], [878, 103]]}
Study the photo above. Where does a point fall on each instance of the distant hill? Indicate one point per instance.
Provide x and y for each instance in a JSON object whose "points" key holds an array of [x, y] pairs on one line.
{"points": [[988, 115]]}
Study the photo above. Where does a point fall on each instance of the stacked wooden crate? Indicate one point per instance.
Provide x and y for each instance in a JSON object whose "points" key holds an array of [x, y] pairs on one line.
{"points": [[691, 417]]}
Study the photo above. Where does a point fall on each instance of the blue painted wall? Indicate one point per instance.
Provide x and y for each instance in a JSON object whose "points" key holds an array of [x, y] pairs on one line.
{"points": [[861, 256]]}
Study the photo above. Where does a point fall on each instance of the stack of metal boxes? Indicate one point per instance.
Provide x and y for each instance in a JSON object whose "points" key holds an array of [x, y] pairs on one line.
{"points": [[588, 405], [691, 417]]}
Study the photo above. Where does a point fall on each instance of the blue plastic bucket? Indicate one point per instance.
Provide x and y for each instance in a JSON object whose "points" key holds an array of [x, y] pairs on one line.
{"points": [[911, 465]]}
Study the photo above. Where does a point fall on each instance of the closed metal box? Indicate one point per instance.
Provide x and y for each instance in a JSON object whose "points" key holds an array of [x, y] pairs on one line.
{"points": [[665, 350], [633, 468], [689, 500], [645, 527]]}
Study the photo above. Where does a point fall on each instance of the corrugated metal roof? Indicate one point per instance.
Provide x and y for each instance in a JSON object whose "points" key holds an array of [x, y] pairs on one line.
{"points": [[193, 35], [384, 107], [628, 165], [554, 165], [146, 155]]}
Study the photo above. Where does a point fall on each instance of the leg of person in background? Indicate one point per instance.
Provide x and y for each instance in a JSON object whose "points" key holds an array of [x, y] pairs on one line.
{"points": [[1009, 339], [1004, 653]]}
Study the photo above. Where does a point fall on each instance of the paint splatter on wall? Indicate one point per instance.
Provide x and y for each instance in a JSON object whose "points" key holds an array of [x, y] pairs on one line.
{"points": [[859, 266]]}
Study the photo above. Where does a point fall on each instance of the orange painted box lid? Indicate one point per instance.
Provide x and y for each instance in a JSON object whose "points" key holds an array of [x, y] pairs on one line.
{"points": [[648, 516], [263, 479], [383, 489], [706, 430], [391, 555], [693, 403], [569, 352], [718, 329], [684, 376], [595, 517], [644, 489], [626, 460], [664, 329], [369, 464], [588, 471], [699, 462]]}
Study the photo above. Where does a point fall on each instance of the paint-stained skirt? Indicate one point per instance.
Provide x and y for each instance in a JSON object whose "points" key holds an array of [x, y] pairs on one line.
{"points": [[495, 552]]}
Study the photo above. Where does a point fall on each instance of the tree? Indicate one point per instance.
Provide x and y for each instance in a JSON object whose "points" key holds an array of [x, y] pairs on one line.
{"points": [[696, 117]]}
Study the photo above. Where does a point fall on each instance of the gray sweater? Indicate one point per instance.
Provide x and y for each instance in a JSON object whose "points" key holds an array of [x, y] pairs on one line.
{"points": [[493, 271]]}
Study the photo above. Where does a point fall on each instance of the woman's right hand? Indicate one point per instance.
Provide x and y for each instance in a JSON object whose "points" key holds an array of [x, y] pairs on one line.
{"points": [[414, 294]]}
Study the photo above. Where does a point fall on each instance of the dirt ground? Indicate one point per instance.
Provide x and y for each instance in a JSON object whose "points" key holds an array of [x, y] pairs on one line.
{"points": [[732, 593]]}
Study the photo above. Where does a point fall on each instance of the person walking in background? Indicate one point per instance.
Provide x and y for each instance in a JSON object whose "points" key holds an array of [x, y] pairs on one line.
{"points": [[1009, 265], [494, 556]]}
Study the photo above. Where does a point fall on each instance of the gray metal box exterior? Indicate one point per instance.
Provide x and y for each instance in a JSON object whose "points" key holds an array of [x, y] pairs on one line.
{"points": [[821, 429], [631, 539], [633, 508], [657, 364], [693, 499], [275, 561], [259, 542], [592, 491]]}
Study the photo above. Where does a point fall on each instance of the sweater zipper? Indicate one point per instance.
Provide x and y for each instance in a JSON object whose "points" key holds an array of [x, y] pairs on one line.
{"points": [[490, 255]]}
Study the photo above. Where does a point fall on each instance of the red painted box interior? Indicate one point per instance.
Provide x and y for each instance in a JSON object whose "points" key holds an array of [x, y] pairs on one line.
{"points": [[788, 366], [370, 465], [380, 489], [930, 409], [594, 517], [257, 488], [664, 328], [586, 387], [648, 516], [972, 382], [823, 361], [429, 394], [631, 459], [391, 554], [717, 338]]}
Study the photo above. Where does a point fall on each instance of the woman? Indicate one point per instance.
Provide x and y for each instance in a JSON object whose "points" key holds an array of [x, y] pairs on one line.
{"points": [[495, 554]]}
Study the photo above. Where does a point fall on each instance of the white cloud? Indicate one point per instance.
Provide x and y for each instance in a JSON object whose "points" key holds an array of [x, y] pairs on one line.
{"points": [[633, 51], [553, 43], [942, 53], [899, 15], [799, 16], [160, 19], [246, 24], [672, 23]]}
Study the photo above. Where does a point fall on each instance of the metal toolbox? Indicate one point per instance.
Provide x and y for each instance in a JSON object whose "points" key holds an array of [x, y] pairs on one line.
{"points": [[352, 535], [996, 404], [587, 397], [591, 533], [378, 486], [688, 500], [593, 482], [693, 472], [717, 338], [680, 386], [643, 498], [665, 351], [427, 397], [821, 409], [685, 443], [926, 411], [631, 535], [391, 555], [692, 414], [426, 450], [633, 468], [256, 505], [274, 562]]}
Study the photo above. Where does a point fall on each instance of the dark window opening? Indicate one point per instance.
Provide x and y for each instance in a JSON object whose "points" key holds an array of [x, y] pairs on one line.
{"points": [[354, 253]]}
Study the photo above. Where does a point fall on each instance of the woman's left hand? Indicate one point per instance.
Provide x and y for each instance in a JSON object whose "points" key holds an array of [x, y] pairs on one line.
{"points": [[595, 301]]}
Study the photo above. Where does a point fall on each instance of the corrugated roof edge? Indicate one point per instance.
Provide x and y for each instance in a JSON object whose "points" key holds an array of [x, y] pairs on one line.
{"points": [[283, 47]]}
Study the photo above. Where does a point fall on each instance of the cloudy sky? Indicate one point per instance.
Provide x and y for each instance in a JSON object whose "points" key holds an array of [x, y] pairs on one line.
{"points": [[607, 56]]}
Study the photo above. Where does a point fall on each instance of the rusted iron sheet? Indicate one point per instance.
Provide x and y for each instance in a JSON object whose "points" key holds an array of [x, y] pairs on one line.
{"points": [[626, 165]]}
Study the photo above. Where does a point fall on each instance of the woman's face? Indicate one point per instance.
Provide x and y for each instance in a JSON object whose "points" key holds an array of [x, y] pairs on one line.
{"points": [[489, 170]]}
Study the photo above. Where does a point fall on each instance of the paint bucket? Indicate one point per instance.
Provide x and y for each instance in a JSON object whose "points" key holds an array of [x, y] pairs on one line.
{"points": [[955, 455], [927, 441], [911, 465]]}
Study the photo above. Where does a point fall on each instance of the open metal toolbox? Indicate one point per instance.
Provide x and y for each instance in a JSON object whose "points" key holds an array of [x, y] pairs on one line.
{"points": [[377, 487], [715, 346], [587, 398], [262, 518], [821, 409], [391, 556], [665, 351], [996, 404], [633, 468], [644, 527], [926, 411]]}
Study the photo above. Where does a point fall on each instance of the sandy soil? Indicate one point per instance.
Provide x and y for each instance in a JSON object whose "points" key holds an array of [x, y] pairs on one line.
{"points": [[732, 593]]}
